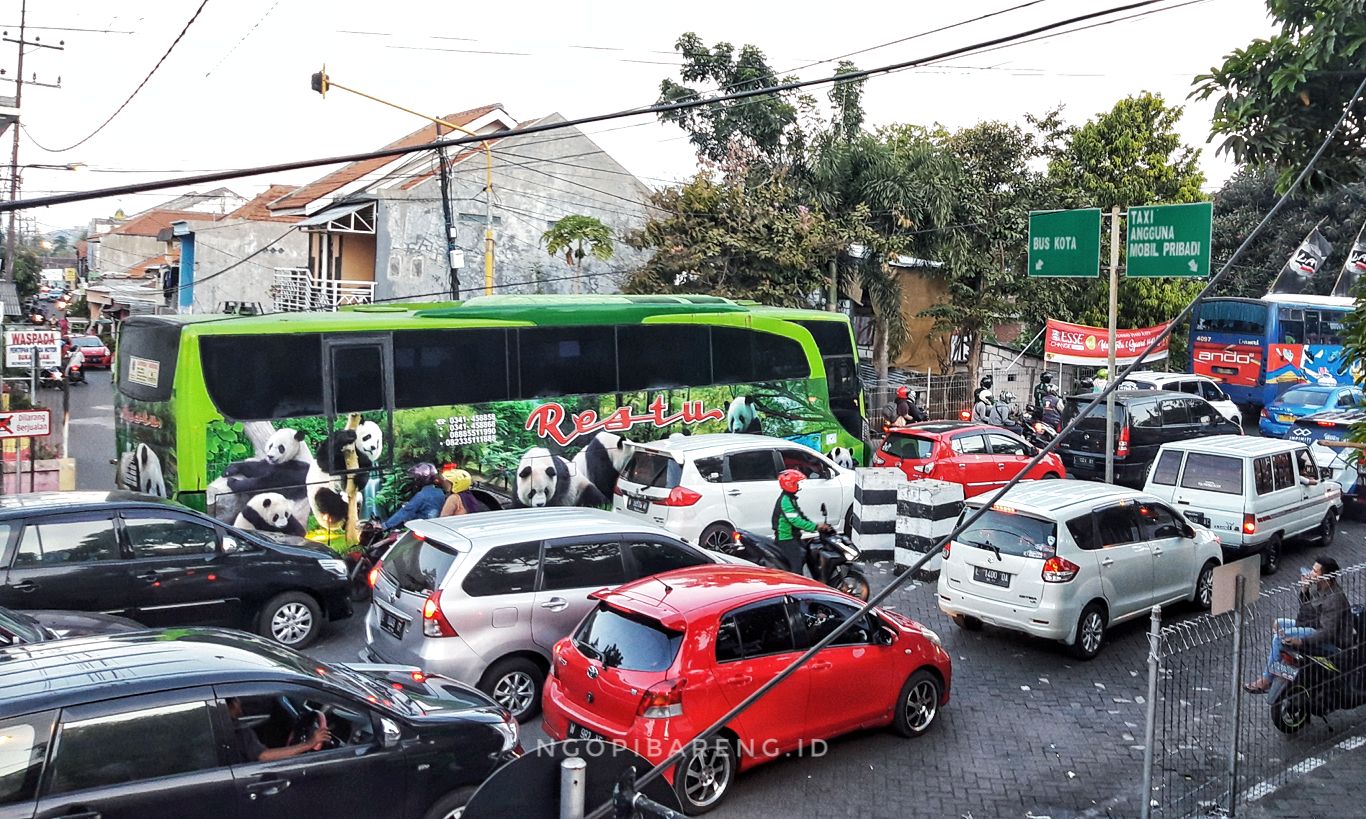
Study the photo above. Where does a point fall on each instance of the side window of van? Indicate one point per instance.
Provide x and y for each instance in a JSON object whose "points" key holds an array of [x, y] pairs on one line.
{"points": [[1164, 471], [1117, 526], [1145, 415], [1192, 387], [1174, 412], [1083, 532], [1283, 470], [1261, 473]]}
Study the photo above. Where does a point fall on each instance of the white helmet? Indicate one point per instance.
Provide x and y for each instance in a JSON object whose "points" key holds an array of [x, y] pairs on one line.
{"points": [[986, 395]]}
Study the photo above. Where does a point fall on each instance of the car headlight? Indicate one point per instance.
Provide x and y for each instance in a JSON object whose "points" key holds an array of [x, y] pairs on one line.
{"points": [[932, 636], [333, 565], [508, 728]]}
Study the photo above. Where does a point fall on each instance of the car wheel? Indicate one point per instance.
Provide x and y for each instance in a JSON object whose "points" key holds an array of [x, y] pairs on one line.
{"points": [[291, 619], [1204, 586], [718, 537], [450, 806], [1090, 632], [967, 622], [515, 683], [1271, 555], [1051, 476], [1328, 529], [704, 776], [918, 704]]}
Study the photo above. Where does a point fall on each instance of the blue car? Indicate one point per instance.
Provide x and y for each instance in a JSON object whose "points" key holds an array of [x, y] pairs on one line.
{"points": [[1299, 402]]}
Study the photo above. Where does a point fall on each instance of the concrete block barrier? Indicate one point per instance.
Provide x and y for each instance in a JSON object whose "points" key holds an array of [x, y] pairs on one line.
{"points": [[875, 502], [926, 510]]}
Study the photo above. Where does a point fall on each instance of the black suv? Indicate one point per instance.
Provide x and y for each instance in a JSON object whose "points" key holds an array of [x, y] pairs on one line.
{"points": [[213, 723], [162, 564], [1144, 421]]}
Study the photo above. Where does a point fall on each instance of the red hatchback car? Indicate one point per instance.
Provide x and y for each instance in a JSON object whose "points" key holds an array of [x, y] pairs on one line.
{"points": [[980, 457], [97, 356], [662, 658]]}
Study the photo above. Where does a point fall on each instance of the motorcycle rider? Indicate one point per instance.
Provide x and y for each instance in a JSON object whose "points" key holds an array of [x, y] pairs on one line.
{"points": [[907, 409], [1041, 388], [788, 520], [1322, 622], [1006, 413], [1100, 380], [984, 385], [74, 358], [982, 409], [460, 501], [426, 502], [1050, 408]]}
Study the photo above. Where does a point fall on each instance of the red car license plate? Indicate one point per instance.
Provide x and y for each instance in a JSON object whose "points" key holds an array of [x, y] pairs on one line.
{"points": [[577, 731]]}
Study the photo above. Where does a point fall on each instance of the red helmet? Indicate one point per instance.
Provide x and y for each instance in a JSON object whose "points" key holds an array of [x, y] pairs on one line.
{"points": [[788, 479], [903, 392]]}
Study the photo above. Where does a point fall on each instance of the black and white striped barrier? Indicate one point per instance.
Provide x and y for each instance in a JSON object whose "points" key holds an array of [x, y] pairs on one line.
{"points": [[875, 511], [926, 510]]}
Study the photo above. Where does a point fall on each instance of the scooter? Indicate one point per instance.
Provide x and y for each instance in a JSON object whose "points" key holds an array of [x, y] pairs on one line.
{"points": [[839, 552], [1037, 431], [1306, 685], [360, 560]]}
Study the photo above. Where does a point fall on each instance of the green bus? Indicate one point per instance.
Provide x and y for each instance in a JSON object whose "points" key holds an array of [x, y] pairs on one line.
{"points": [[247, 417]]}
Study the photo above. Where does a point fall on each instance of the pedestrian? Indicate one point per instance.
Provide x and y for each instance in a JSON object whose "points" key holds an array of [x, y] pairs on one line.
{"points": [[1322, 623], [63, 326]]}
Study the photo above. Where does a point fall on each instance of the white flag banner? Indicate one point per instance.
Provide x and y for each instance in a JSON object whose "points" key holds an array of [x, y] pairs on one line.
{"points": [[1297, 276], [1353, 268]]}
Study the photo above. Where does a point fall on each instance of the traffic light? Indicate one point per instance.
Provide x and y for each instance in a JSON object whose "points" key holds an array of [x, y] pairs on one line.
{"points": [[319, 82]]}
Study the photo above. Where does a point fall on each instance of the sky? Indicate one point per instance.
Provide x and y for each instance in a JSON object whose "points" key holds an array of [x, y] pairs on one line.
{"points": [[235, 92]]}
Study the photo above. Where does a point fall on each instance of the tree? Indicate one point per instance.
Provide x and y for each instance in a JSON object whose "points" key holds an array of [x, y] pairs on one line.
{"points": [[1279, 97], [577, 237], [768, 122]]}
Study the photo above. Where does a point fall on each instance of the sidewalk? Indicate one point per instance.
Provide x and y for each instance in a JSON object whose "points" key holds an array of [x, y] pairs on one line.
{"points": [[1329, 786]]}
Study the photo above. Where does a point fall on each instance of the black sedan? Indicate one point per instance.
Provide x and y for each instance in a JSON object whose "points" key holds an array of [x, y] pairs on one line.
{"points": [[162, 564], [18, 627]]}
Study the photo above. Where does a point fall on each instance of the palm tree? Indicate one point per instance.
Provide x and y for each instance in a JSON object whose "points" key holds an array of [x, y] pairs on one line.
{"points": [[575, 237]]}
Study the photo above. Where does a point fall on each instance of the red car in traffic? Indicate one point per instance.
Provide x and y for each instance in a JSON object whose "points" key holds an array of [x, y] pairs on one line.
{"points": [[97, 356], [978, 456], [660, 659]]}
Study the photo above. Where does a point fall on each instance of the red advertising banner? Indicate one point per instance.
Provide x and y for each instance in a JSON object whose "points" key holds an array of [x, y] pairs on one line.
{"points": [[1079, 344]]}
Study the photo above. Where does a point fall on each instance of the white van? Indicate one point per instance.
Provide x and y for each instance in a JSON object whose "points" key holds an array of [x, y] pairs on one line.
{"points": [[1201, 385], [1254, 493]]}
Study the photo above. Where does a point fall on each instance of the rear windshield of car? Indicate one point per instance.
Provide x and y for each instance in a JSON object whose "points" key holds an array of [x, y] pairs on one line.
{"points": [[1012, 533], [1213, 473], [1305, 398], [912, 447], [418, 565], [652, 469], [625, 641], [1096, 416], [88, 341]]}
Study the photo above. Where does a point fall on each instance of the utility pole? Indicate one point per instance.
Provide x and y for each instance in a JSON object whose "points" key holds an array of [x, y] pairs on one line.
{"points": [[22, 43]]}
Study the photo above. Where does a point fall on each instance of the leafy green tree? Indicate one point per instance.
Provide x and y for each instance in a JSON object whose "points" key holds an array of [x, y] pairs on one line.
{"points": [[1278, 97], [576, 237]]}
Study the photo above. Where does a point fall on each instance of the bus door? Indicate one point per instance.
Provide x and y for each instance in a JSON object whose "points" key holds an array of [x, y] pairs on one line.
{"points": [[358, 380]]}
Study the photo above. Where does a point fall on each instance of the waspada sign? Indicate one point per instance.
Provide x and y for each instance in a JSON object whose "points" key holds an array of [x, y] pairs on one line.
{"points": [[1079, 344]]}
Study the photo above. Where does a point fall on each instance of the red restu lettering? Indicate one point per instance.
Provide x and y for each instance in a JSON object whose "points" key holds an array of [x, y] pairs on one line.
{"points": [[546, 419], [145, 419]]}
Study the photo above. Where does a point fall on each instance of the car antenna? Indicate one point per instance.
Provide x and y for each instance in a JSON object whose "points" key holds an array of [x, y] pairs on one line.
{"points": [[667, 587]]}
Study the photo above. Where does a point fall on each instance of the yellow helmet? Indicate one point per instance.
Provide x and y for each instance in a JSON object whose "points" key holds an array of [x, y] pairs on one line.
{"points": [[460, 480]]}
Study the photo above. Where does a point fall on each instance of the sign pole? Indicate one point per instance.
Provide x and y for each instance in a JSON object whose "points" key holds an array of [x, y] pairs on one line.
{"points": [[1110, 362]]}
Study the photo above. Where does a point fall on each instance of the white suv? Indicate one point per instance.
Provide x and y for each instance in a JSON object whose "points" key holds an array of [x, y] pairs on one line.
{"points": [[1065, 560], [1201, 385], [704, 487]]}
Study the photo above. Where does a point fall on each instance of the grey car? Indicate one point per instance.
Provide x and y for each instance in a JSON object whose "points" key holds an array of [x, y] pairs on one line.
{"points": [[483, 598]]}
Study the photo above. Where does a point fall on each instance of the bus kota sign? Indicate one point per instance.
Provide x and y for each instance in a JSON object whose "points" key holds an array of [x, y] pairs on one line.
{"points": [[26, 424], [20, 344], [1169, 240], [1065, 243]]}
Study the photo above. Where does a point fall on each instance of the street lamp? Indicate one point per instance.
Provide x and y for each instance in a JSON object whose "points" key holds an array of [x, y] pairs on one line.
{"points": [[322, 83]]}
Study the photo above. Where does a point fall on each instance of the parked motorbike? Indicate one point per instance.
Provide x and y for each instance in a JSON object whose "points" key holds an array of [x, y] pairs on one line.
{"points": [[1037, 431], [373, 543], [1306, 685], [839, 552], [53, 376]]}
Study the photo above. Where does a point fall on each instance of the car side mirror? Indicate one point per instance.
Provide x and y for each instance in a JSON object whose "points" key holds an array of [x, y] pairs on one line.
{"points": [[885, 635], [232, 545], [389, 733], [1167, 530], [1207, 419]]}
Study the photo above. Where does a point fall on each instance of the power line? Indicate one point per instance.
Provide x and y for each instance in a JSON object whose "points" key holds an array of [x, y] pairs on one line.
{"points": [[243, 38], [119, 110], [657, 108]]}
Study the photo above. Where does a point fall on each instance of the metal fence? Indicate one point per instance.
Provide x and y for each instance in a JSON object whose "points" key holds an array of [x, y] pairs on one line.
{"points": [[943, 396], [1216, 747]]}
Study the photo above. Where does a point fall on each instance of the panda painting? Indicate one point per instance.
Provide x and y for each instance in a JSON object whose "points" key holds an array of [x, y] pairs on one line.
{"points": [[602, 460], [843, 457], [331, 454], [149, 477], [544, 479], [282, 467], [743, 416], [269, 512]]}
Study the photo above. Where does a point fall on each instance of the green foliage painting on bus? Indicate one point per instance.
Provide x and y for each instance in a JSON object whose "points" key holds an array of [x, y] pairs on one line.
{"points": [[567, 451], [145, 440]]}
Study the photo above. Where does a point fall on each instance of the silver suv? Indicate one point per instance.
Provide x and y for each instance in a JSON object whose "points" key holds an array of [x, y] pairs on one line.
{"points": [[483, 598]]}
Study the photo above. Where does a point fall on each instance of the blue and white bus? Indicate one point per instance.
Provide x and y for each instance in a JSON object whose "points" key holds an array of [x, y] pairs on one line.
{"points": [[1259, 348]]}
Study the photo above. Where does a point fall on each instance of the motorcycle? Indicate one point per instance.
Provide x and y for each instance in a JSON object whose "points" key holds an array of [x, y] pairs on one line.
{"points": [[366, 554], [1306, 685], [54, 376], [1037, 431], [839, 552]]}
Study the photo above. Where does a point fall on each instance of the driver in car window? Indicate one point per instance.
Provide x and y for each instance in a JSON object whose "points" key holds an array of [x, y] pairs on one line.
{"points": [[255, 751], [1309, 472]]}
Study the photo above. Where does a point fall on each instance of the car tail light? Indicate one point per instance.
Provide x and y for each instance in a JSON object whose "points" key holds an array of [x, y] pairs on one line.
{"points": [[965, 415], [878, 460], [1249, 524], [680, 496], [1122, 447], [373, 576], [1265, 413], [947, 544], [1324, 423], [616, 490], [434, 622], [1059, 570], [662, 700]]}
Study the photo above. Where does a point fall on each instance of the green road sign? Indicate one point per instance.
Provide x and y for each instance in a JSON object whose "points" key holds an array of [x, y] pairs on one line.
{"points": [[1170, 240], [1064, 243]]}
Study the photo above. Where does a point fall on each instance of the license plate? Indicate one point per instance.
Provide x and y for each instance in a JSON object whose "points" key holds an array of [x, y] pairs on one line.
{"points": [[1284, 671], [392, 624], [1198, 517], [638, 505], [1285, 419], [577, 731], [991, 576], [1083, 460]]}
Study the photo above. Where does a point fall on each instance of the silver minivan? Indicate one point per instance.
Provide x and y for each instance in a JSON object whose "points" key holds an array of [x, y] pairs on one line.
{"points": [[483, 598]]}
